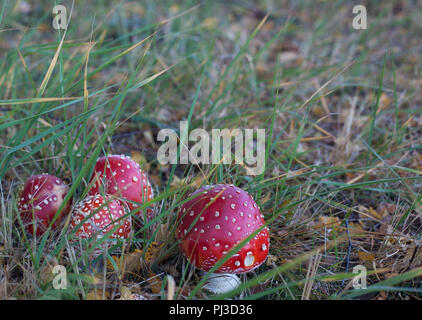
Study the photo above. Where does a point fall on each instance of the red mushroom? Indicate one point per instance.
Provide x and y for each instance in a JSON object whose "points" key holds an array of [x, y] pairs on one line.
{"points": [[39, 201], [103, 214], [121, 176], [216, 220]]}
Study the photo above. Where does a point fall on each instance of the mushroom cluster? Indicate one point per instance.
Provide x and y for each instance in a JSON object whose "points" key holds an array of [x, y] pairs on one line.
{"points": [[122, 177], [215, 223], [119, 186]]}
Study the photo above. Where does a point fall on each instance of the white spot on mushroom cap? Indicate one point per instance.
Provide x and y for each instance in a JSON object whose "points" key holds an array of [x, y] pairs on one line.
{"points": [[249, 260]]}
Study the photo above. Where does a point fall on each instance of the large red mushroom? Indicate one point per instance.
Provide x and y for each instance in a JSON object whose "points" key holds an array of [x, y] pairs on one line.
{"points": [[119, 175], [40, 199], [216, 220]]}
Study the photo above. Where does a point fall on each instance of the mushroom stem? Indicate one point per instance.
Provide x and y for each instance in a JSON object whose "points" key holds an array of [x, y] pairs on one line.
{"points": [[219, 283]]}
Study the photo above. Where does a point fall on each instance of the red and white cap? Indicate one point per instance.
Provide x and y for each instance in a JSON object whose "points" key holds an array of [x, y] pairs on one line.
{"points": [[216, 220], [104, 215], [39, 201], [119, 175]]}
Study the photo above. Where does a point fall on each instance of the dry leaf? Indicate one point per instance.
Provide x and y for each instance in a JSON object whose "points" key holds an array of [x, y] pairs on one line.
{"points": [[366, 256], [140, 159], [177, 182], [152, 251], [375, 214], [210, 23], [125, 293], [271, 259], [318, 111], [155, 283], [384, 103], [174, 8], [97, 295], [131, 262], [2, 253], [162, 234], [266, 198], [288, 56], [356, 228], [328, 223]]}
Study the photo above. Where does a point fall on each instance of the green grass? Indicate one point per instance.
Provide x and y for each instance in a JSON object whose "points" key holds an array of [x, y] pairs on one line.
{"points": [[343, 134]]}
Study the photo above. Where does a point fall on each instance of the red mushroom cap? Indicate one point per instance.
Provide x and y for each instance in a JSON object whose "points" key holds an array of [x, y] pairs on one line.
{"points": [[107, 211], [216, 220], [39, 201], [121, 176]]}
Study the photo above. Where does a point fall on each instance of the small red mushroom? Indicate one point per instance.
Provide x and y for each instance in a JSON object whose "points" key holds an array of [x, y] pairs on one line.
{"points": [[39, 201], [216, 220], [121, 176], [104, 213]]}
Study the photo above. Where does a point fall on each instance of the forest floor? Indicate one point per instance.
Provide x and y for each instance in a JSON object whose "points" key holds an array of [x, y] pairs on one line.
{"points": [[342, 114]]}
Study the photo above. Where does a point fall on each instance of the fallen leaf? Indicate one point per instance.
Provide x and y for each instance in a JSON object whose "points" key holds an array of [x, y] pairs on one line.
{"points": [[271, 259], [140, 159], [97, 295], [155, 283], [328, 224], [174, 8], [374, 213], [266, 198], [152, 251], [210, 23], [384, 102], [131, 262], [366, 256]]}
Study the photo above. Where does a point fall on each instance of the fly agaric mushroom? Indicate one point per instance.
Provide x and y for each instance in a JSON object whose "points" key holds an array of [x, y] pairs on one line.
{"points": [[103, 213], [216, 220], [121, 176], [41, 197]]}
